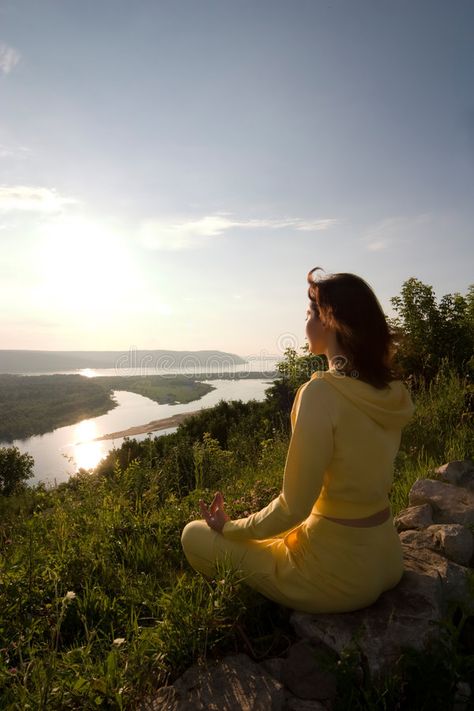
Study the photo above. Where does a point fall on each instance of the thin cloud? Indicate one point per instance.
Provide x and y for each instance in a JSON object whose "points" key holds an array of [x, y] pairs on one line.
{"points": [[9, 58], [13, 151], [26, 198], [190, 234], [392, 230]]}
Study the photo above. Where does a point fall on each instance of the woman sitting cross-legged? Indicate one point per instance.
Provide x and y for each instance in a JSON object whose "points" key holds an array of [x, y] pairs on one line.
{"points": [[327, 543]]}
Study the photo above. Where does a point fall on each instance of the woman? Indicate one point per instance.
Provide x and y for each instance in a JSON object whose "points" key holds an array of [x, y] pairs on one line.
{"points": [[327, 543]]}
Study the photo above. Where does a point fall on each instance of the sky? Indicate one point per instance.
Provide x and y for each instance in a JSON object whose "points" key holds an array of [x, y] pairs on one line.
{"points": [[171, 170]]}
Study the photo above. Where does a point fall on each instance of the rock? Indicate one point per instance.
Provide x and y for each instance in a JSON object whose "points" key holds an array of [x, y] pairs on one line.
{"points": [[459, 473], [406, 616], [236, 682], [165, 699], [449, 539], [414, 517], [304, 672], [274, 667], [293, 703], [450, 581], [462, 696], [450, 504], [403, 617]]}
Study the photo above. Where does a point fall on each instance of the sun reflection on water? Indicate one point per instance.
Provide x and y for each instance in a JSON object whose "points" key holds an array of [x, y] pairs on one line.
{"points": [[87, 453]]}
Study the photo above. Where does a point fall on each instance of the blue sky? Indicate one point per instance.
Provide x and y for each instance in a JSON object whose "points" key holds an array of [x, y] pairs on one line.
{"points": [[170, 171]]}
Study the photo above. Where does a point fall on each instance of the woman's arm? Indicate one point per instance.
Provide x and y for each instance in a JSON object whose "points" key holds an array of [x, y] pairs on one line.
{"points": [[309, 454]]}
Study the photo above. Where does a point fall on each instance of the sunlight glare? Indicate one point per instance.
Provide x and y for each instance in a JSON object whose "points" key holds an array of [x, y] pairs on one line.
{"points": [[83, 263], [87, 453]]}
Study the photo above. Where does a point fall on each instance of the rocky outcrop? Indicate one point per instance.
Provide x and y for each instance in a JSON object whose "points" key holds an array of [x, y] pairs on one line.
{"points": [[236, 682], [436, 532]]}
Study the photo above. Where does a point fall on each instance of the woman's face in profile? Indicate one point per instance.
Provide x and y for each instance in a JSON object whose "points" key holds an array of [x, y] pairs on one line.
{"points": [[316, 333]]}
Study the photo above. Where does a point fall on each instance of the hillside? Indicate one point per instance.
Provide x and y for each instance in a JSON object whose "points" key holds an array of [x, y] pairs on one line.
{"points": [[33, 361]]}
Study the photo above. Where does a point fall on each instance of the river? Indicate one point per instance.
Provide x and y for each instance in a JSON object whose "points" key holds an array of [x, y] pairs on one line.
{"points": [[60, 453]]}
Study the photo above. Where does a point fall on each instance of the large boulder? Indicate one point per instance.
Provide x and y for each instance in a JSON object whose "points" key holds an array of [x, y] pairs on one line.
{"points": [[450, 503], [403, 617], [451, 540], [459, 473], [236, 682], [414, 517]]}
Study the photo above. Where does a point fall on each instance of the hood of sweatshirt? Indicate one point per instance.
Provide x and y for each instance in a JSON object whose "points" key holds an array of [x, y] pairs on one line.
{"points": [[391, 407]]}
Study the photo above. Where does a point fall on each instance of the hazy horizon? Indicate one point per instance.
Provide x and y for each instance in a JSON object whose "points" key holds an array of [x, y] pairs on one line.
{"points": [[171, 171]]}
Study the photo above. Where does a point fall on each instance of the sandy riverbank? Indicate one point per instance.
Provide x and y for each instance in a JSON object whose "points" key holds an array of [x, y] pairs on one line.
{"points": [[154, 426]]}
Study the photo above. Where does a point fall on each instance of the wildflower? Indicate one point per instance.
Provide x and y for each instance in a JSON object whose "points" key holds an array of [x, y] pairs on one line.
{"points": [[118, 641], [70, 595]]}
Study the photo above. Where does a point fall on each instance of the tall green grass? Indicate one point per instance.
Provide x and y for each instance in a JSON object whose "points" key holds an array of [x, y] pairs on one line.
{"points": [[441, 430]]}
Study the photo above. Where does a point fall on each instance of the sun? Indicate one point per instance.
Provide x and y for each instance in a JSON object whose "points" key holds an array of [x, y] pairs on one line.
{"points": [[83, 265]]}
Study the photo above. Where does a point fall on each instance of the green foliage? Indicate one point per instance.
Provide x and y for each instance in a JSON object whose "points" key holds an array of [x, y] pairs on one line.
{"points": [[35, 404], [440, 431], [294, 370], [32, 405], [431, 333], [210, 462], [15, 469], [165, 389], [138, 616]]}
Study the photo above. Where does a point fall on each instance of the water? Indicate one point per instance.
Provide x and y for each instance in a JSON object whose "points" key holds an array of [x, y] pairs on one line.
{"points": [[60, 453], [261, 364]]}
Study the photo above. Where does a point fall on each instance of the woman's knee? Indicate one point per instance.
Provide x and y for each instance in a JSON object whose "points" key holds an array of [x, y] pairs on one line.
{"points": [[193, 535]]}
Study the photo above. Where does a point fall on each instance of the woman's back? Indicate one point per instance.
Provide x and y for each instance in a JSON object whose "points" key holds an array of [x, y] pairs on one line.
{"points": [[366, 425]]}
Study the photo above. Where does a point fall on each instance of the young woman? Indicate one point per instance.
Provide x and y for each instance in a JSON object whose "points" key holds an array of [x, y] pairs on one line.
{"points": [[327, 543]]}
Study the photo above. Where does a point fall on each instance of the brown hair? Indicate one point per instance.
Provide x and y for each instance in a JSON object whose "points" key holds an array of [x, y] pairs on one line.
{"points": [[347, 304]]}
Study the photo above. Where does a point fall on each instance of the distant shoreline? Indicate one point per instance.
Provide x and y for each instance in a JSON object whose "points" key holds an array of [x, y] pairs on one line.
{"points": [[153, 426]]}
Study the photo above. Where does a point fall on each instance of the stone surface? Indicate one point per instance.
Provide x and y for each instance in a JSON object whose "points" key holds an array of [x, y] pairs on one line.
{"points": [[462, 697], [405, 616], [165, 699], [304, 672], [236, 682], [274, 667], [450, 504], [293, 703], [450, 581], [459, 473], [449, 539], [414, 517]]}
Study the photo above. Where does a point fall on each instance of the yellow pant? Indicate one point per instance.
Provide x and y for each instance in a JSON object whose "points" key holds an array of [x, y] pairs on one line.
{"points": [[320, 566]]}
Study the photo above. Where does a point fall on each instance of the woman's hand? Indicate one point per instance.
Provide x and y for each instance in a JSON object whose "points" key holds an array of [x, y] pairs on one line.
{"points": [[215, 516]]}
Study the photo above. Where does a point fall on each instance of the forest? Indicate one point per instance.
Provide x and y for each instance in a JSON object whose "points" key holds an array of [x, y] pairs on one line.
{"points": [[35, 404]]}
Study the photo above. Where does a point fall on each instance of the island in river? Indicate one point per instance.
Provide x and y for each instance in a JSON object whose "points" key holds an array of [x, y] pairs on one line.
{"points": [[153, 426], [36, 404]]}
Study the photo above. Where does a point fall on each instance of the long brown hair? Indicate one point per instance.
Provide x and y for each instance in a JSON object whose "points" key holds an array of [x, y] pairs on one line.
{"points": [[347, 304]]}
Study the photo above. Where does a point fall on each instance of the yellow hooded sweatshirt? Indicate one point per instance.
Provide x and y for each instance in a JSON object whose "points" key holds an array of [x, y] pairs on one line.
{"points": [[345, 435]]}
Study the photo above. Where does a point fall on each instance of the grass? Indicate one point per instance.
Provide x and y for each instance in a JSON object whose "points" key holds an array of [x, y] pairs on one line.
{"points": [[99, 607]]}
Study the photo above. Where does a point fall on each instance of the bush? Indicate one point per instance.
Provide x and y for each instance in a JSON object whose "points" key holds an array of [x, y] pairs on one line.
{"points": [[15, 469]]}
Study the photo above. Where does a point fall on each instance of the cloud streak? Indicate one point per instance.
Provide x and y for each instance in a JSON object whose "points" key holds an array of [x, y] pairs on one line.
{"points": [[9, 58], [192, 234], [13, 151], [392, 230], [25, 198]]}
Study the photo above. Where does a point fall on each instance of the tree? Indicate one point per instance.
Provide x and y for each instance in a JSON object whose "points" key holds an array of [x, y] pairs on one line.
{"points": [[430, 333], [15, 469], [294, 370]]}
